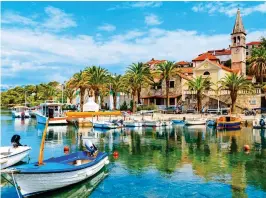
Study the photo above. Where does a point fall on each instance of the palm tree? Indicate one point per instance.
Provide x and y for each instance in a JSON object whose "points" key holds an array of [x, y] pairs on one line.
{"points": [[69, 93], [199, 84], [258, 63], [117, 86], [167, 70], [234, 83], [97, 80], [136, 77], [79, 81]]}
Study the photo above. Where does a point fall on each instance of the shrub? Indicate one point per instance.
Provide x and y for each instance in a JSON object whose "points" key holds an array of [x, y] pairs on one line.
{"points": [[124, 107]]}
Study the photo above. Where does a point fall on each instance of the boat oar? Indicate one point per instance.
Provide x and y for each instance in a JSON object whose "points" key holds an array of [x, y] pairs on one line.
{"points": [[40, 162]]}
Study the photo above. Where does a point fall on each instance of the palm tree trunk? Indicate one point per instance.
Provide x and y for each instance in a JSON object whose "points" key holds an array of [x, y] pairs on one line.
{"points": [[134, 108], [167, 92], [261, 79], [233, 98], [82, 93], [96, 96], [139, 91], [199, 104], [114, 95]]}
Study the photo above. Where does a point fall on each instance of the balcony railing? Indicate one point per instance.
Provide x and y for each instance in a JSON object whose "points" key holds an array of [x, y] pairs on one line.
{"points": [[257, 91]]}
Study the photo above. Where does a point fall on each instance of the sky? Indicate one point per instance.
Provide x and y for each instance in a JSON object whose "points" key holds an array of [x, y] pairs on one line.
{"points": [[48, 41]]}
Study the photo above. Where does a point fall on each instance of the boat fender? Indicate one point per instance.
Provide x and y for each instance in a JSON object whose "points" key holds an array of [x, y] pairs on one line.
{"points": [[115, 154], [246, 147], [262, 122], [66, 149]]}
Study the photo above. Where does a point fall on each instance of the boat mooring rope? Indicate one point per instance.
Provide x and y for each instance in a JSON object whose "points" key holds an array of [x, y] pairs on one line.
{"points": [[15, 185]]}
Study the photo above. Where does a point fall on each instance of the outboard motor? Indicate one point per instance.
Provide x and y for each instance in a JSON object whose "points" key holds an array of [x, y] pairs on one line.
{"points": [[15, 141], [91, 147], [262, 122]]}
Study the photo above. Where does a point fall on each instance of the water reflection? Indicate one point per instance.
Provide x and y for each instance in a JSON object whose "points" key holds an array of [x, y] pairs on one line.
{"points": [[177, 156]]}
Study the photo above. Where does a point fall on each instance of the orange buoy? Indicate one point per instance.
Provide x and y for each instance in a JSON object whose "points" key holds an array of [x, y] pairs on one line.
{"points": [[116, 154], [246, 147], [66, 149]]}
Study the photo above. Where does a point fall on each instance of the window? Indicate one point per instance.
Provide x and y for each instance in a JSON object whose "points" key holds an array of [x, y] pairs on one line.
{"points": [[234, 39], [172, 84], [206, 73], [247, 53], [172, 101], [159, 86], [252, 102]]}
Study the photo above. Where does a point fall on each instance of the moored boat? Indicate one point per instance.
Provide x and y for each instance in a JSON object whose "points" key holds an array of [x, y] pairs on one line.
{"points": [[57, 172], [259, 123], [228, 123], [10, 156], [195, 122], [52, 110], [20, 112], [132, 123], [211, 122], [105, 125], [177, 121], [151, 123]]}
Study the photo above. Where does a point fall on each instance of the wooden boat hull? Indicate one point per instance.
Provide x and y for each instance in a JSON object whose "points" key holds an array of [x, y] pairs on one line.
{"points": [[15, 155], [228, 125], [31, 183], [52, 121]]}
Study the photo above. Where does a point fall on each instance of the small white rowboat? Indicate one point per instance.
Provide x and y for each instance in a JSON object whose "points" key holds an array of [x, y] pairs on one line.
{"points": [[10, 155]]}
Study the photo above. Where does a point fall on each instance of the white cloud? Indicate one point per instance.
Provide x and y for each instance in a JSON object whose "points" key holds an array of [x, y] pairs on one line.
{"points": [[58, 19], [26, 50], [107, 27], [228, 8], [10, 17], [139, 4], [152, 19], [143, 4]]}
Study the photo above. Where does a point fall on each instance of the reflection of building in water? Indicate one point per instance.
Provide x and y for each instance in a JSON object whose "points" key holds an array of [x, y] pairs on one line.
{"points": [[21, 124], [54, 135]]}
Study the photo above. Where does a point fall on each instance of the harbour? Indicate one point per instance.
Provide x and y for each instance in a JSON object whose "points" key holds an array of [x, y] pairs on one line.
{"points": [[153, 160]]}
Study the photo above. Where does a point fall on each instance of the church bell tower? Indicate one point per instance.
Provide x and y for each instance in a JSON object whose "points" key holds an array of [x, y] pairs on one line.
{"points": [[238, 46]]}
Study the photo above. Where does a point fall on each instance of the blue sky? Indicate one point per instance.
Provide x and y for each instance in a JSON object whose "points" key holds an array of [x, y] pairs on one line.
{"points": [[45, 41]]}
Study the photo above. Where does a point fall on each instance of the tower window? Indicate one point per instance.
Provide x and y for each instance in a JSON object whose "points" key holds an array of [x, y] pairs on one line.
{"points": [[172, 84], [247, 53], [238, 39], [234, 39], [206, 73]]}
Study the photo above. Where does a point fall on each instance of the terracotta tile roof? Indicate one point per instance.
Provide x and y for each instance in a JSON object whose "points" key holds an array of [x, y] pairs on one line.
{"points": [[205, 56], [154, 62], [186, 70], [254, 43], [182, 63], [220, 52], [184, 76], [225, 68]]}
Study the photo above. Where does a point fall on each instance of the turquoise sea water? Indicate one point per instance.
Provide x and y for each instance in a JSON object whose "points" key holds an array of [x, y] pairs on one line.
{"points": [[168, 162]]}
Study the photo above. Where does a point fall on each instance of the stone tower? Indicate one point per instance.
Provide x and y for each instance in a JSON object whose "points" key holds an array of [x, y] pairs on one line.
{"points": [[238, 46]]}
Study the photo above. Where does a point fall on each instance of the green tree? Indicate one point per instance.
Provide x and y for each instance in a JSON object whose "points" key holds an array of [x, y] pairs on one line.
{"points": [[136, 77], [234, 83], [167, 71], [80, 81], [98, 78], [257, 63], [116, 86], [199, 84], [69, 93]]}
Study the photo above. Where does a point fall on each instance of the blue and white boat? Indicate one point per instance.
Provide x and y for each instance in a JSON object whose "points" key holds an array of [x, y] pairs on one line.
{"points": [[260, 123], [57, 172], [20, 112], [176, 121], [211, 122], [52, 110]]}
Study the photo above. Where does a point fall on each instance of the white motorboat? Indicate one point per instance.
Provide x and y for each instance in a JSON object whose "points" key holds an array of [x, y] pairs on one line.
{"points": [[105, 125], [132, 123], [10, 155], [52, 110], [195, 122], [20, 112], [151, 123], [259, 123]]}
